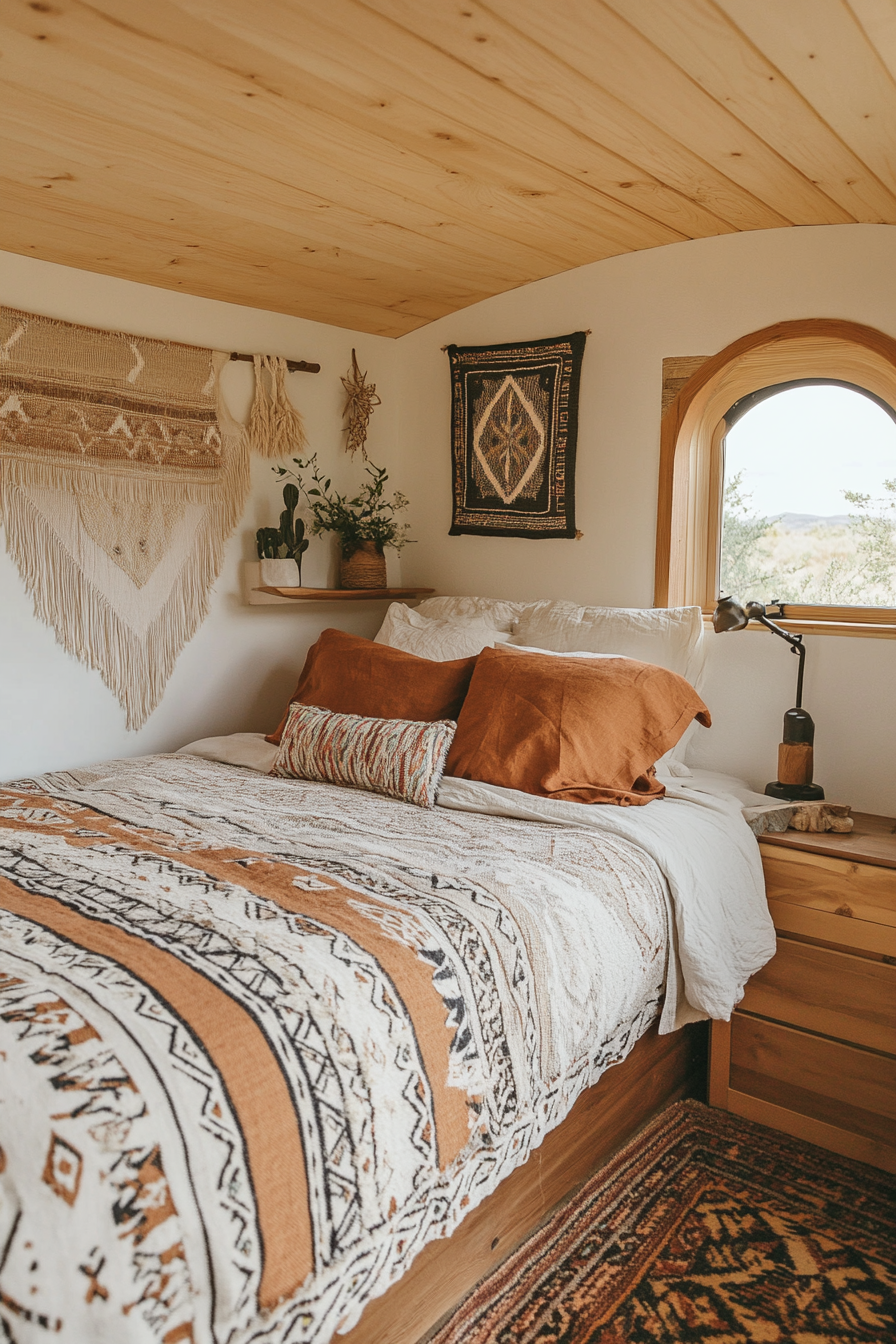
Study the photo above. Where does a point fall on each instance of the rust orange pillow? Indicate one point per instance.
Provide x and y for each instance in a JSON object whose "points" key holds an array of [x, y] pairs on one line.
{"points": [[587, 730], [350, 675]]}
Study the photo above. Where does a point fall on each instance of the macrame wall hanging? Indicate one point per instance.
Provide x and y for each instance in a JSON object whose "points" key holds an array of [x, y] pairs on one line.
{"points": [[122, 475]]}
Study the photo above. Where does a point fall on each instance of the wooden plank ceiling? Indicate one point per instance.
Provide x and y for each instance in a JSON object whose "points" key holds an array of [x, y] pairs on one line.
{"points": [[378, 163]]}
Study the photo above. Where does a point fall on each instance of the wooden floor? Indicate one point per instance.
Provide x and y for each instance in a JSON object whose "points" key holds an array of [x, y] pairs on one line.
{"points": [[660, 1070]]}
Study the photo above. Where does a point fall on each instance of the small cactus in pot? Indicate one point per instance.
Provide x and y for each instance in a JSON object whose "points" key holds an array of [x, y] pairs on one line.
{"points": [[268, 543], [292, 529], [288, 541]]}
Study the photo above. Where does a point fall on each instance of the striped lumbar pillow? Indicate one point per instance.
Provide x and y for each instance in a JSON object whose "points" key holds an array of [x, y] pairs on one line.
{"points": [[396, 757]]}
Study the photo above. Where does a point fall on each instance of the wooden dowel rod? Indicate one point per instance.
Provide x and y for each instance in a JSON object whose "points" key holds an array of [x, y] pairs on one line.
{"points": [[294, 365]]}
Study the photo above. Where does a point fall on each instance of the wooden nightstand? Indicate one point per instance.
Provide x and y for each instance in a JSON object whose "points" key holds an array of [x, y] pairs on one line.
{"points": [[811, 1049]]}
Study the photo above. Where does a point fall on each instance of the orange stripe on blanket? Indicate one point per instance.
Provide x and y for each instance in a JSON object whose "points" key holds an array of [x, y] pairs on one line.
{"points": [[411, 976], [240, 1052]]}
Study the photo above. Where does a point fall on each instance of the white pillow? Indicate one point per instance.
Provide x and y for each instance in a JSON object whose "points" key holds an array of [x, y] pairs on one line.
{"points": [[494, 610], [247, 749], [437, 640], [672, 637], [557, 653]]}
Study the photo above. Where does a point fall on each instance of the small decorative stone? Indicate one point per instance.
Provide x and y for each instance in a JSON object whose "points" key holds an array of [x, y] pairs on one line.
{"points": [[818, 817]]}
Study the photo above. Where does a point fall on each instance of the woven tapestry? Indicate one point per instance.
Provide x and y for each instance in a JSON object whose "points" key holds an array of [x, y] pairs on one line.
{"points": [[514, 422], [122, 474]]}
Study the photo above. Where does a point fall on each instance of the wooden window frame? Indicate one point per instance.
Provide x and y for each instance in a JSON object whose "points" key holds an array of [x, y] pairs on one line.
{"points": [[689, 505]]}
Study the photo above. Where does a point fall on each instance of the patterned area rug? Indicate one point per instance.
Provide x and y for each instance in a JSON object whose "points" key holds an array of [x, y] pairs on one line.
{"points": [[706, 1229]]}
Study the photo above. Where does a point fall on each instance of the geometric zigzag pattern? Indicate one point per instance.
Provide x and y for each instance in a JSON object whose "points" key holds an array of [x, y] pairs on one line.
{"points": [[297, 988]]}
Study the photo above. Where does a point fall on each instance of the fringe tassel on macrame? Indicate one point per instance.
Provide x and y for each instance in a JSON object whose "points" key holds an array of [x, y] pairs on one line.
{"points": [[135, 664], [275, 426]]}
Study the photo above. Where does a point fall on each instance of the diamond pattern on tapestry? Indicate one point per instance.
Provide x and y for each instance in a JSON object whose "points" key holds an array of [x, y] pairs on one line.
{"points": [[514, 429]]}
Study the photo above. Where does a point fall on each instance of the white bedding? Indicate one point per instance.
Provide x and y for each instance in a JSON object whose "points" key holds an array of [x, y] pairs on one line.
{"points": [[721, 930]]}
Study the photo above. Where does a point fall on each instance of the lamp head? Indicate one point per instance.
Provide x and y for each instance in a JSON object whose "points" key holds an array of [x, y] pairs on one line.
{"points": [[730, 615]]}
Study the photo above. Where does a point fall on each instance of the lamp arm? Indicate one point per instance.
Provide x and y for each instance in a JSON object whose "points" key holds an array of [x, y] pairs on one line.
{"points": [[801, 651], [796, 646], [795, 754], [755, 611]]}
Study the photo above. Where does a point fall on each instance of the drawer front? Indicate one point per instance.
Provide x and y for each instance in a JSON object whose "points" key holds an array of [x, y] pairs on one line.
{"points": [[810, 923], [839, 887], [859, 1079], [827, 992]]}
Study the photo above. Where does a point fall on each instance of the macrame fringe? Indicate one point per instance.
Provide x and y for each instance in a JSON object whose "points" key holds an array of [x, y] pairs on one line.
{"points": [[134, 667], [275, 428], [126, 484]]}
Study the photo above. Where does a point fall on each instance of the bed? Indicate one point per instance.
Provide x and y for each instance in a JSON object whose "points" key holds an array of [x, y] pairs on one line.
{"points": [[263, 1041]]}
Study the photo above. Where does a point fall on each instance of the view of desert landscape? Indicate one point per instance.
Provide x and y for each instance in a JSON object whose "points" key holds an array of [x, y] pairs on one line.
{"points": [[829, 536]]}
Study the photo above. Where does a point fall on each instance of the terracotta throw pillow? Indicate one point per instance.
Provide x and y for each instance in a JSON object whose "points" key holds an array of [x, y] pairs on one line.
{"points": [[581, 729], [390, 756], [350, 675]]}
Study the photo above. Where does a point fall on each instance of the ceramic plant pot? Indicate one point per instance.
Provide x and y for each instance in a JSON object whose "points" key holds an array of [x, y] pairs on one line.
{"points": [[279, 573], [365, 569]]}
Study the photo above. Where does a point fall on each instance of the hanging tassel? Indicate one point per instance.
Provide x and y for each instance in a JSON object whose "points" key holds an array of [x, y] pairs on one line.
{"points": [[275, 426]]}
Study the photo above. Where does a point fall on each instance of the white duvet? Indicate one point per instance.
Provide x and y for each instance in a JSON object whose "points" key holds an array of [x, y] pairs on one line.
{"points": [[720, 927]]}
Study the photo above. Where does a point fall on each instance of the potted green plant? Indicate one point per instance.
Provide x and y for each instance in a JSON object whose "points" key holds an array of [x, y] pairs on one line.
{"points": [[364, 525], [281, 547]]}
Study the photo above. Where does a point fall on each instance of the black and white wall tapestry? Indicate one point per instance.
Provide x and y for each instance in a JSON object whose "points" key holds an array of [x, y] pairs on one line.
{"points": [[514, 422]]}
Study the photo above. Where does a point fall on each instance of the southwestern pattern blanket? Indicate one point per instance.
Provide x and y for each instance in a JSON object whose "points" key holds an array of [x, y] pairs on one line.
{"points": [[262, 1039]]}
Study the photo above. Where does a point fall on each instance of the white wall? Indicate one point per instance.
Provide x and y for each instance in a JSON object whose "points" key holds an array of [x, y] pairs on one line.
{"points": [[684, 299], [689, 298], [237, 672]]}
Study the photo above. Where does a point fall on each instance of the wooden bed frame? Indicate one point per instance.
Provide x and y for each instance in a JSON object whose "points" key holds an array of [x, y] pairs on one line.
{"points": [[659, 1070]]}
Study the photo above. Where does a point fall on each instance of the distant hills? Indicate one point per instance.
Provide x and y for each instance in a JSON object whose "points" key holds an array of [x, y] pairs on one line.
{"points": [[802, 522]]}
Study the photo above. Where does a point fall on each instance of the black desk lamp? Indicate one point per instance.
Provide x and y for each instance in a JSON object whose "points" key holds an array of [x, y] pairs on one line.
{"points": [[794, 781]]}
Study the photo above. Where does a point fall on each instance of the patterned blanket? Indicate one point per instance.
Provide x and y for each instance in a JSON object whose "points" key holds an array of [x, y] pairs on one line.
{"points": [[261, 1040]]}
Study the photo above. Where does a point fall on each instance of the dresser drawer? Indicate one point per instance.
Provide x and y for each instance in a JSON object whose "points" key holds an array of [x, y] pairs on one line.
{"points": [[828, 992], [811, 1049], [835, 886], [816, 1067], [806, 922]]}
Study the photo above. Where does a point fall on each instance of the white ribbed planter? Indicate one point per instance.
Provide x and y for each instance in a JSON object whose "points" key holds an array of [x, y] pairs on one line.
{"points": [[279, 573]]}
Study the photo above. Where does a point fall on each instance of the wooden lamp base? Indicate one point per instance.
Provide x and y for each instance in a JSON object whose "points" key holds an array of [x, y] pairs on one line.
{"points": [[795, 793], [795, 761]]}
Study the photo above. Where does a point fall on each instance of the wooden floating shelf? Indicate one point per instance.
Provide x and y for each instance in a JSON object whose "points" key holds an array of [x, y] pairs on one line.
{"points": [[343, 594]]}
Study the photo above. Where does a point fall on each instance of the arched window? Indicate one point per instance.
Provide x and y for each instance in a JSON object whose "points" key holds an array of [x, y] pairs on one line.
{"points": [[778, 477], [809, 496]]}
